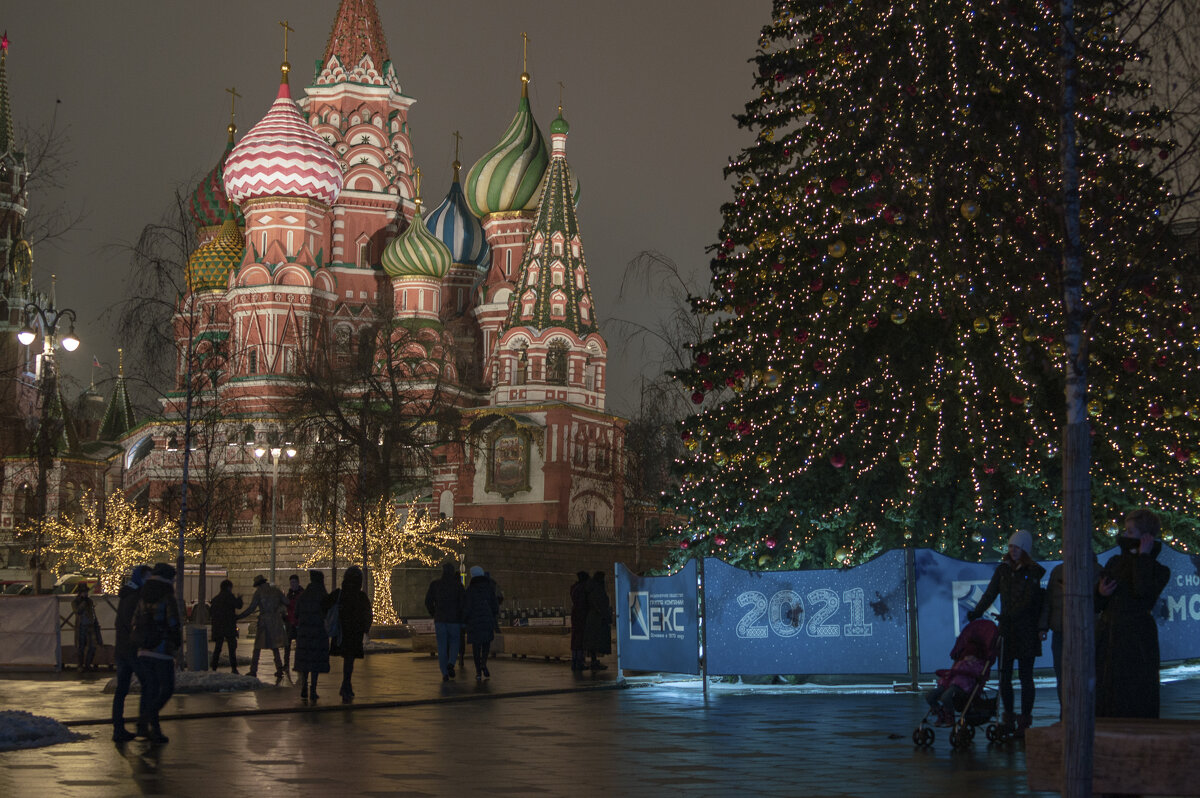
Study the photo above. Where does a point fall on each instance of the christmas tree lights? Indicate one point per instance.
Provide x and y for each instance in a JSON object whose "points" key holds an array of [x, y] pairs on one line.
{"points": [[888, 365]]}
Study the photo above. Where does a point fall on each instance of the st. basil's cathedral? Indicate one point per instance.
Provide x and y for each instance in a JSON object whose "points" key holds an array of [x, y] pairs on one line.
{"points": [[315, 247]]}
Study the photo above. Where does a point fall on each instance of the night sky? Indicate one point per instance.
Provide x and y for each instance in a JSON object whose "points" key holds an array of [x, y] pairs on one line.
{"points": [[650, 90]]}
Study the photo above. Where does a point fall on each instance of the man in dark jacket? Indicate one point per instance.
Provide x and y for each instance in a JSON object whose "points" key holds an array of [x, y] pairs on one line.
{"points": [[446, 601], [1052, 620], [1127, 657], [124, 651], [222, 614], [158, 635]]}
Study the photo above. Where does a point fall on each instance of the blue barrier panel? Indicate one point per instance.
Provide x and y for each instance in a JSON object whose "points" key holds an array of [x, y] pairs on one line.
{"points": [[656, 621], [1178, 609], [947, 589], [780, 622]]}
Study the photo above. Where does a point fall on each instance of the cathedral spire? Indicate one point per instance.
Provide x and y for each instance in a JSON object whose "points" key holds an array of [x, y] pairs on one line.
{"points": [[6, 124], [118, 416], [356, 32]]}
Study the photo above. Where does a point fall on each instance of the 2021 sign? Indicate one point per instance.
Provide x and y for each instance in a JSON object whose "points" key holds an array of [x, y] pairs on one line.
{"points": [[785, 614]]}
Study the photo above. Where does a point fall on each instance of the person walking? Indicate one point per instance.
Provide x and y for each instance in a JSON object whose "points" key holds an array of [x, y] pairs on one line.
{"points": [[124, 651], [158, 635], [87, 629], [354, 617], [222, 615], [1127, 656], [479, 614], [579, 621], [289, 619], [445, 601], [1017, 581], [312, 643], [269, 602], [597, 637]]}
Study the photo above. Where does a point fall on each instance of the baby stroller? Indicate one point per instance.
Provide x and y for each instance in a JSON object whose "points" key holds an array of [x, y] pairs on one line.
{"points": [[980, 639]]}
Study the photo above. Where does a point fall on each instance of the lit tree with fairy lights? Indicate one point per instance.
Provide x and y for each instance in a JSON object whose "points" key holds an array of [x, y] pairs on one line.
{"points": [[110, 536], [888, 365], [395, 537]]}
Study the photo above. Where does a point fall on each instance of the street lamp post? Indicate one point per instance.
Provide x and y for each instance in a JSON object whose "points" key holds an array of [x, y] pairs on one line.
{"points": [[49, 317], [277, 453]]}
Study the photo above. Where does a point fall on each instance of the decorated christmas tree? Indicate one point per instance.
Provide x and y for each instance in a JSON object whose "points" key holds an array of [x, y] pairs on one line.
{"points": [[888, 365]]}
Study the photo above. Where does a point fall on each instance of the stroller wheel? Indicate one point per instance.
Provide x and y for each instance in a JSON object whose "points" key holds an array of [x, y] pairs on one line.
{"points": [[959, 738], [923, 736], [970, 730], [994, 734]]}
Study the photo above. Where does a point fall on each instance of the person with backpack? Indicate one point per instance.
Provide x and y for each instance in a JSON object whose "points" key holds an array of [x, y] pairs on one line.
{"points": [[125, 652], [312, 642], [597, 634], [87, 628], [158, 635], [269, 602], [446, 601], [1017, 581], [353, 616], [222, 614]]}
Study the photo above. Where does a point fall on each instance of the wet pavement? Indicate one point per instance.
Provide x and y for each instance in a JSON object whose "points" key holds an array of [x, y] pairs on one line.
{"points": [[534, 729]]}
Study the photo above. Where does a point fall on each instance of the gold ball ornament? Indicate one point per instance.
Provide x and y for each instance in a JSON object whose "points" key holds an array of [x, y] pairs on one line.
{"points": [[933, 404], [1057, 349], [719, 458], [762, 460], [1140, 449], [1174, 411], [907, 459], [843, 58], [969, 209], [1193, 411], [808, 107], [771, 378], [822, 407], [829, 298], [764, 560], [838, 248], [981, 324], [692, 444], [841, 555], [899, 316], [1095, 407]]}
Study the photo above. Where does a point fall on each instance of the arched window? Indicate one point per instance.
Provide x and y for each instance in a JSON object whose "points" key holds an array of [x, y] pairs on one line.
{"points": [[252, 362], [556, 364]]}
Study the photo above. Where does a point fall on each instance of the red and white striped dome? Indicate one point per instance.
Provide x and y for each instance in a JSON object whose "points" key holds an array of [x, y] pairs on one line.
{"points": [[282, 156]]}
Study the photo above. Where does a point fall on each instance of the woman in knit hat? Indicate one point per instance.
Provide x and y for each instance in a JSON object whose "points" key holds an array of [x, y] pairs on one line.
{"points": [[1018, 582]]}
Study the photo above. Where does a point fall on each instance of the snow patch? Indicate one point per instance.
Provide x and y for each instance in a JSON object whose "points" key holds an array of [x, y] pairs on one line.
{"points": [[23, 730], [201, 682]]}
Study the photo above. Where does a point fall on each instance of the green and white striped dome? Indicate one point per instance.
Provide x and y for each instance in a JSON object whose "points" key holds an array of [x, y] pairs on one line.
{"points": [[509, 177], [416, 253]]}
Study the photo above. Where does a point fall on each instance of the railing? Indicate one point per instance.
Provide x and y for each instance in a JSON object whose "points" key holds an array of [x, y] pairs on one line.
{"points": [[543, 530]]}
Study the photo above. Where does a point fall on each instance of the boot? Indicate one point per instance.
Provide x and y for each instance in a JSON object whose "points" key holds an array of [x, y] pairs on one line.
{"points": [[287, 658], [215, 661], [254, 662], [1023, 723]]}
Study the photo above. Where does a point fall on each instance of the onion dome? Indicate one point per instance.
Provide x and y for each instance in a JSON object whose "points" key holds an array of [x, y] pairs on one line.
{"points": [[416, 253], [458, 228], [282, 156], [509, 177], [209, 203], [209, 266]]}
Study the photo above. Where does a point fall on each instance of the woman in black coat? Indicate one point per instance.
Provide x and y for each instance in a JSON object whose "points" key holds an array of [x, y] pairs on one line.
{"points": [[597, 638], [579, 621], [1127, 680], [480, 619], [354, 614], [1018, 582], [312, 643]]}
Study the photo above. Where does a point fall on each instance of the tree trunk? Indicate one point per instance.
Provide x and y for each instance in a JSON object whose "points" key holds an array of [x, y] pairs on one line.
{"points": [[1078, 671]]}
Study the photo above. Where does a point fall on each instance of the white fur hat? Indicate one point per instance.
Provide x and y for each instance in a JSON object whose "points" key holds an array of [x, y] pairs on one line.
{"points": [[1023, 540]]}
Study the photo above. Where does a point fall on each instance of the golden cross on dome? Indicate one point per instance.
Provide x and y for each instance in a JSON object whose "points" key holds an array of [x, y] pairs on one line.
{"points": [[524, 64], [457, 163], [560, 94], [285, 67], [233, 98], [417, 182], [121, 362]]}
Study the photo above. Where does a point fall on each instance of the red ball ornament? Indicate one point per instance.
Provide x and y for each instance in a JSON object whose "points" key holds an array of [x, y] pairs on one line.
{"points": [[744, 428], [683, 544], [839, 185], [687, 435], [901, 280], [876, 176], [697, 398], [777, 333], [706, 385], [837, 460], [702, 359], [1135, 145], [1163, 154], [989, 469], [779, 267], [861, 405], [1182, 454], [889, 215], [1016, 399], [1129, 364], [719, 540], [820, 365], [738, 374], [1156, 410], [818, 38], [801, 336], [815, 285], [770, 543], [1008, 320], [873, 322]]}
